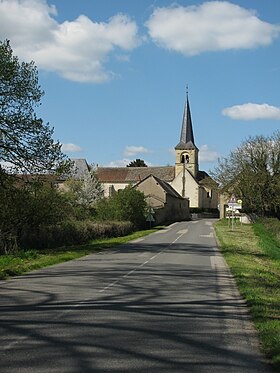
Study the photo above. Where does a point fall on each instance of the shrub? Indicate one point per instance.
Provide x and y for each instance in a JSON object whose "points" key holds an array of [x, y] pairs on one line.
{"points": [[26, 207], [126, 205], [72, 232]]}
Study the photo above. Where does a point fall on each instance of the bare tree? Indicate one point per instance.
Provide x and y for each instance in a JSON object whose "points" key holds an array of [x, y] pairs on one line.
{"points": [[87, 189], [252, 171]]}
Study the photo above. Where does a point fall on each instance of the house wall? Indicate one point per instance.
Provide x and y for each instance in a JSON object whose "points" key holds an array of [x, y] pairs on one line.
{"points": [[166, 207], [223, 204], [152, 189], [197, 194], [208, 197], [178, 208], [191, 188], [108, 187], [175, 209]]}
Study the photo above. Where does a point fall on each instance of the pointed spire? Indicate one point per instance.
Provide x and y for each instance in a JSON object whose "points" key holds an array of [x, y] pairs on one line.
{"points": [[187, 137]]}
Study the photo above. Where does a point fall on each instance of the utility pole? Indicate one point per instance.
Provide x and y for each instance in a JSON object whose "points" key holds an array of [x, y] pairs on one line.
{"points": [[184, 180]]}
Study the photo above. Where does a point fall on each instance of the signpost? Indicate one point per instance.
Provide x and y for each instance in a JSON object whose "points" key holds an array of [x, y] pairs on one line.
{"points": [[150, 217], [234, 206]]}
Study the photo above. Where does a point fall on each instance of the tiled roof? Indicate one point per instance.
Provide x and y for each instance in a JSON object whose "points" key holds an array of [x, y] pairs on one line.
{"points": [[112, 174], [134, 174]]}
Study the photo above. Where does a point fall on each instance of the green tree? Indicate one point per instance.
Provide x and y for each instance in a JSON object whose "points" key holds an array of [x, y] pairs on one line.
{"points": [[137, 163], [26, 143], [126, 205], [27, 207], [252, 171]]}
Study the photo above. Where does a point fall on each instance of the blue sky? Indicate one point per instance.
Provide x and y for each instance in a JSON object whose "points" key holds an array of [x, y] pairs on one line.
{"points": [[115, 72]]}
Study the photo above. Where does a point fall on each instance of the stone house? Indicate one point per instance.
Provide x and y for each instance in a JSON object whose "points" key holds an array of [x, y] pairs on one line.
{"points": [[165, 204], [185, 177]]}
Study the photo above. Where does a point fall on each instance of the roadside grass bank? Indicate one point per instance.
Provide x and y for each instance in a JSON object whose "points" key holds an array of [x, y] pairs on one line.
{"points": [[26, 261], [253, 255]]}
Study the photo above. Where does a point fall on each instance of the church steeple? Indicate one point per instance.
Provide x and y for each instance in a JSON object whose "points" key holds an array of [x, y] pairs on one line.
{"points": [[186, 151], [187, 137]]}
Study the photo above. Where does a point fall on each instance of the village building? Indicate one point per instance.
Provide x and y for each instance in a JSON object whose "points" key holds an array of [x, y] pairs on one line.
{"points": [[164, 203], [185, 177]]}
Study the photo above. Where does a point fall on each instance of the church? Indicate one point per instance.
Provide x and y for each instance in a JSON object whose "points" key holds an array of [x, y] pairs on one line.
{"points": [[185, 178]]}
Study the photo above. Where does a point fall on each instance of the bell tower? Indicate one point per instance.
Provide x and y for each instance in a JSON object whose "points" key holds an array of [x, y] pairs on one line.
{"points": [[186, 151]]}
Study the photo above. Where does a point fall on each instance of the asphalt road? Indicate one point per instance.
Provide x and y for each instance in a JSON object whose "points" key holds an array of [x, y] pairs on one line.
{"points": [[165, 303]]}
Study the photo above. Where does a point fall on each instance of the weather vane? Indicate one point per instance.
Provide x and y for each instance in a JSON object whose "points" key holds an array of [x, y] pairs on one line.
{"points": [[187, 89]]}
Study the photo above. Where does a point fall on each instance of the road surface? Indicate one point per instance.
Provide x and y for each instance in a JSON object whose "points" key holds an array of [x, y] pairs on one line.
{"points": [[164, 303]]}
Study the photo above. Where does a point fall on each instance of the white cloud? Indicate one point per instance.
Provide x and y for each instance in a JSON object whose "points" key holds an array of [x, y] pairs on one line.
{"points": [[130, 151], [76, 50], [71, 148], [211, 26], [252, 111], [172, 151], [119, 163], [207, 155], [124, 162]]}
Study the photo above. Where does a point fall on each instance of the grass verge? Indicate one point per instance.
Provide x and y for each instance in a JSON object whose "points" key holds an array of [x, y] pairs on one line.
{"points": [[253, 255], [26, 261]]}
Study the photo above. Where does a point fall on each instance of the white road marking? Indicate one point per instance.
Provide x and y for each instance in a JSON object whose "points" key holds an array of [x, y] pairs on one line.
{"points": [[139, 266], [182, 231], [85, 301], [210, 235]]}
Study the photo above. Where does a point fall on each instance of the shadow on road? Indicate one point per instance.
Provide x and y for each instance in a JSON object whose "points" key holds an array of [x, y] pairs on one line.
{"points": [[101, 313]]}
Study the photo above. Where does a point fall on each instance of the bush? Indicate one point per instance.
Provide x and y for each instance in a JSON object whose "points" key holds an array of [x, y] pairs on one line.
{"points": [[26, 207], [273, 225], [72, 232], [126, 205]]}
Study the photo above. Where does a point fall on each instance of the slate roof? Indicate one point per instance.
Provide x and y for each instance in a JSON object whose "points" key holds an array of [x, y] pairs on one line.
{"points": [[133, 174], [80, 168], [187, 137], [201, 175]]}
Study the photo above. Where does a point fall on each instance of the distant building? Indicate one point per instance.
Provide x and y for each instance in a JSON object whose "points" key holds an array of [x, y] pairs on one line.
{"points": [[185, 177], [164, 203], [169, 190]]}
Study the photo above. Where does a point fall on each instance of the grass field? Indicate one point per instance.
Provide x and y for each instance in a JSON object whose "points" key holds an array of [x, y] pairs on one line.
{"points": [[253, 255], [25, 261]]}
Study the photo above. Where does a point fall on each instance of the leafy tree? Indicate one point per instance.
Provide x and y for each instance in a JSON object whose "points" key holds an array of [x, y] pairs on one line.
{"points": [[126, 205], [252, 172], [26, 144], [25, 141], [26, 208], [137, 163]]}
